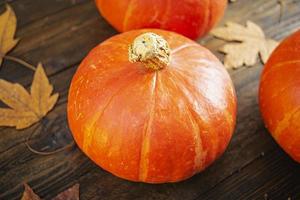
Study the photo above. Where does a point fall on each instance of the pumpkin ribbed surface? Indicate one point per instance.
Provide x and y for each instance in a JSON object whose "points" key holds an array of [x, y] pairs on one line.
{"points": [[279, 95], [192, 18], [152, 125]]}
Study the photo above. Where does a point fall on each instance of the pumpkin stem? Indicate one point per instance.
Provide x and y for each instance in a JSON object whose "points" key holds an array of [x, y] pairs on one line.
{"points": [[150, 49]]}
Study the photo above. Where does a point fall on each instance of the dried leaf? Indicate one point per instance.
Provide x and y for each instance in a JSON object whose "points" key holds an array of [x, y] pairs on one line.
{"points": [[29, 194], [10, 117], [26, 109], [70, 194], [8, 25], [249, 42], [41, 91]]}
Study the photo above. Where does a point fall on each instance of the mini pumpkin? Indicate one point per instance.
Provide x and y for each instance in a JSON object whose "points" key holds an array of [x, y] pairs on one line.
{"points": [[279, 95], [191, 18], [152, 106]]}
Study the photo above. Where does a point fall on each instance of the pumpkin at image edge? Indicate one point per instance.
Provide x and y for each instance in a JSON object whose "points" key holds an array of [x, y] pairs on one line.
{"points": [[152, 106], [279, 95], [192, 19]]}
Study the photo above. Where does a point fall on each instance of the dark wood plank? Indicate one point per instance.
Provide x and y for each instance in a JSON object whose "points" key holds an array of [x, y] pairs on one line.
{"points": [[28, 11], [47, 40], [271, 176]]}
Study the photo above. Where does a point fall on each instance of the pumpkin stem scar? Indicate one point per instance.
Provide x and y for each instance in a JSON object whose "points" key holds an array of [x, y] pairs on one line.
{"points": [[150, 49]]}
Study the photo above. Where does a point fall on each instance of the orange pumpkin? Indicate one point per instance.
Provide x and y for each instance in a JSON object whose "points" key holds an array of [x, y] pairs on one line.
{"points": [[191, 18], [279, 95], [152, 107]]}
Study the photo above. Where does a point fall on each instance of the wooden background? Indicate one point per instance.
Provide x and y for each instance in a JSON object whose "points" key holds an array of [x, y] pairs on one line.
{"points": [[60, 33]]}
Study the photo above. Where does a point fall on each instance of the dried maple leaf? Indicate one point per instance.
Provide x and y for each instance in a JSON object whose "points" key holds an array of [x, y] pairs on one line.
{"points": [[250, 41], [29, 194], [70, 194], [26, 109], [8, 25]]}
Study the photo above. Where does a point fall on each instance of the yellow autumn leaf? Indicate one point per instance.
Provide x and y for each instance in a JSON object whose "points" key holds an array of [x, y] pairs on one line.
{"points": [[41, 91], [8, 25], [247, 43], [26, 109]]}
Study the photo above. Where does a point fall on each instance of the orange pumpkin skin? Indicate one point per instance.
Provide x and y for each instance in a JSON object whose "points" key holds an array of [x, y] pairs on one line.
{"points": [[191, 18], [146, 125], [279, 95]]}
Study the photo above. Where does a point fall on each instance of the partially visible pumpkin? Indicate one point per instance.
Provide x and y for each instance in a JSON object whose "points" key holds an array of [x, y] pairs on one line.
{"points": [[279, 95], [159, 111], [191, 18]]}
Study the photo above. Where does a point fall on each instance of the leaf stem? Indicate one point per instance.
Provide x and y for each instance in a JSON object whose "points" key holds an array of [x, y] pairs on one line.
{"points": [[44, 153], [20, 61]]}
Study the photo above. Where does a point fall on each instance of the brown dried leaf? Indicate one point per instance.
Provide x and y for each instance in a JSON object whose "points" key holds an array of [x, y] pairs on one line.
{"points": [[250, 41], [26, 109], [8, 25], [70, 194], [29, 194]]}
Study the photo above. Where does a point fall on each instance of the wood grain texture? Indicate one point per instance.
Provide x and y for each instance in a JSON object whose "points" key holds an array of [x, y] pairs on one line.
{"points": [[271, 176], [241, 173]]}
